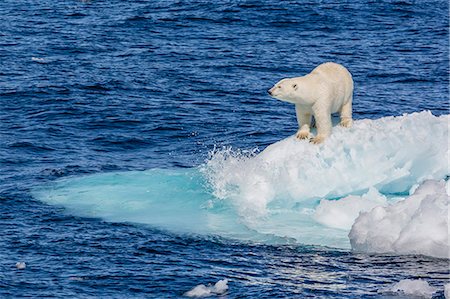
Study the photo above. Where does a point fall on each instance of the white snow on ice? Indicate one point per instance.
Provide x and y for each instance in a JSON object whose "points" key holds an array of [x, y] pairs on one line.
{"points": [[390, 154]]}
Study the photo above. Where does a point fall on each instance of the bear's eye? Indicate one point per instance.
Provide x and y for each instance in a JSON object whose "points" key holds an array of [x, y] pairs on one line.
{"points": [[279, 86], [294, 86]]}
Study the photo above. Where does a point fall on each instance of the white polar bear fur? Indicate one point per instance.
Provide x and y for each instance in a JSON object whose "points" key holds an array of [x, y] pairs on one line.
{"points": [[327, 89]]}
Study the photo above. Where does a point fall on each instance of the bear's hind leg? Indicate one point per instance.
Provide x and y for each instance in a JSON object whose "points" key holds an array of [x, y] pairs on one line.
{"points": [[322, 116], [346, 114]]}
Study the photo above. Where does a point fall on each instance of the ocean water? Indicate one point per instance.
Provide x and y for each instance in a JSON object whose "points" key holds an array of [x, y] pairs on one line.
{"points": [[130, 135]]}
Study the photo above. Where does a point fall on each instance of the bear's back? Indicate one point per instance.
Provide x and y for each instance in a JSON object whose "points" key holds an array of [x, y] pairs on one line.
{"points": [[332, 71], [336, 78]]}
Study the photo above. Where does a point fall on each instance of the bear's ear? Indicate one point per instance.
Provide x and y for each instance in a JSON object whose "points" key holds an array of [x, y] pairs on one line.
{"points": [[294, 86]]}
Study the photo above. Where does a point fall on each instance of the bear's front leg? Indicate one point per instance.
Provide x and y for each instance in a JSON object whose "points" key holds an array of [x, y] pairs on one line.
{"points": [[304, 122], [322, 116]]}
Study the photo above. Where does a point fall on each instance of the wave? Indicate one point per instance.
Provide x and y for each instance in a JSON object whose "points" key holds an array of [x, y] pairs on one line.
{"points": [[293, 191]]}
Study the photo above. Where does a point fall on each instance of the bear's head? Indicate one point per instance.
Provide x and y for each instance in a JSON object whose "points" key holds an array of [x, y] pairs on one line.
{"points": [[285, 90]]}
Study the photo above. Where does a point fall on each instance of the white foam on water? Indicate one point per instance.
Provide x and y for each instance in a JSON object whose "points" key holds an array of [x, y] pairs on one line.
{"points": [[447, 291], [418, 224], [201, 290], [293, 191], [416, 288]]}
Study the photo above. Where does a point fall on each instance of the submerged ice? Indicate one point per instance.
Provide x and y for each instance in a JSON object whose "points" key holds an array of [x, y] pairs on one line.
{"points": [[293, 191]]}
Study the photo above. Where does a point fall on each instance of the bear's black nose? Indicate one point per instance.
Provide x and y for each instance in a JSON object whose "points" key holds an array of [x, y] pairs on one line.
{"points": [[269, 92]]}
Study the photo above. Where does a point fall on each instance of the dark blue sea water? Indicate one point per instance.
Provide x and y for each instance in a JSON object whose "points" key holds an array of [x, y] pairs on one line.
{"points": [[100, 86]]}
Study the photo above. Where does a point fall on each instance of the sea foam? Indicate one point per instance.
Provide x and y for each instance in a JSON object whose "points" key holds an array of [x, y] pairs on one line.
{"points": [[293, 191]]}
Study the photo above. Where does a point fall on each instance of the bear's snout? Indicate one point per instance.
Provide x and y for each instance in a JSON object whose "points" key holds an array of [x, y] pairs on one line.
{"points": [[271, 91]]}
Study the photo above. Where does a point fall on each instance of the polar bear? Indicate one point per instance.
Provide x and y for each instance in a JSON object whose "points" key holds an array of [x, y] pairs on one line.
{"points": [[327, 89]]}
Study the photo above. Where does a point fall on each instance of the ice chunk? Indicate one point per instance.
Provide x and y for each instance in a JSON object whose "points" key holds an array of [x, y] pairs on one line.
{"points": [[203, 291], [199, 291], [272, 196], [38, 59], [221, 286], [343, 212], [391, 154], [416, 225], [21, 265], [447, 291], [419, 288]]}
